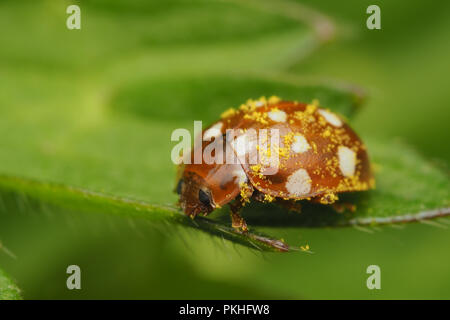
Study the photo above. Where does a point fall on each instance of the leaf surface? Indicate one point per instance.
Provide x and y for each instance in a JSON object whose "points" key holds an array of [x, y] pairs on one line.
{"points": [[8, 289]]}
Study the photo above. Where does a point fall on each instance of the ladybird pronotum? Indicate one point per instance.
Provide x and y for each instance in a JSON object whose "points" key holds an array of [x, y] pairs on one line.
{"points": [[319, 156]]}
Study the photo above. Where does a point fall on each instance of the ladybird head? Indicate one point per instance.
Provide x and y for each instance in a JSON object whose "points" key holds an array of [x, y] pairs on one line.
{"points": [[195, 196]]}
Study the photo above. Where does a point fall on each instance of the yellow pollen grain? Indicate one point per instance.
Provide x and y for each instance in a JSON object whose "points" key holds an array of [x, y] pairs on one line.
{"points": [[353, 184], [289, 138], [284, 152], [326, 133], [257, 116], [305, 115], [249, 106], [268, 198], [311, 108], [274, 99], [329, 198], [228, 113], [300, 115], [322, 121], [305, 247], [245, 190], [257, 170], [261, 101], [275, 110], [330, 147], [314, 146]]}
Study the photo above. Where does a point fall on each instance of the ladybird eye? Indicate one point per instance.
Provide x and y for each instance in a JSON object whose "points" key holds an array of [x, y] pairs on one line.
{"points": [[203, 197], [179, 185]]}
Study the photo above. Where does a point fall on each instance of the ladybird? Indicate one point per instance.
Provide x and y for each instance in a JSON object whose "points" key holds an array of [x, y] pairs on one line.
{"points": [[318, 156]]}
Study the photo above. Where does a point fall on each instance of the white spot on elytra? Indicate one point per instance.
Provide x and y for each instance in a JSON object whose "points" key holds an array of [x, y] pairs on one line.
{"points": [[277, 115], [243, 145], [300, 144], [214, 131], [347, 161], [299, 183], [330, 117], [240, 175]]}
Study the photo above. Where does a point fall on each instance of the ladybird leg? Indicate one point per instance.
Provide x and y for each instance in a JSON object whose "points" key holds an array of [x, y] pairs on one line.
{"points": [[331, 199], [328, 198], [237, 221], [258, 196], [290, 205], [341, 207]]}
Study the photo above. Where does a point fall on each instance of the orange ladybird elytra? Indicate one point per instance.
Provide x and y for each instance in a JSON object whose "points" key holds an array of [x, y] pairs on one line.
{"points": [[318, 156]]}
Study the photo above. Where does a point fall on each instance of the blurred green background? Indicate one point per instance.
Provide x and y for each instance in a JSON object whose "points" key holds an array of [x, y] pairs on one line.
{"points": [[95, 108]]}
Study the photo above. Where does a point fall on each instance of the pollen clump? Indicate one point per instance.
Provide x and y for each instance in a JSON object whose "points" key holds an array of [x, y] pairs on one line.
{"points": [[261, 102], [250, 105], [246, 107], [246, 192], [328, 198], [305, 116], [268, 198], [274, 100], [310, 108], [305, 247], [256, 169], [354, 184], [289, 138], [326, 133], [257, 116], [229, 113]]}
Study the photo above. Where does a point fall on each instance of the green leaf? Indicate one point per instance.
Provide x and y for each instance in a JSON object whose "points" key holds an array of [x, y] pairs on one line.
{"points": [[183, 33], [87, 120], [8, 289], [24, 195], [113, 150], [206, 96], [116, 146], [394, 201]]}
